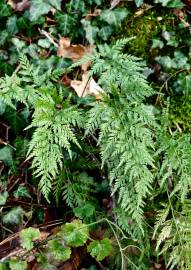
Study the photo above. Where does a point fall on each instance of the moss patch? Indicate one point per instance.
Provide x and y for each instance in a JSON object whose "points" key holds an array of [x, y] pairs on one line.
{"points": [[180, 112], [146, 27]]}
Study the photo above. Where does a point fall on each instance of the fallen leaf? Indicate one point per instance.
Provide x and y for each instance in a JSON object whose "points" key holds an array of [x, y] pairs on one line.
{"points": [[74, 52], [157, 265], [114, 3], [20, 6], [65, 80], [142, 10], [43, 235], [87, 86], [96, 13]]}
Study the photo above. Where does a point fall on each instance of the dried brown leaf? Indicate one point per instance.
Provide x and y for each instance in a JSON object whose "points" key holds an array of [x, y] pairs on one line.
{"points": [[19, 6], [114, 3], [74, 52], [87, 86], [96, 13]]}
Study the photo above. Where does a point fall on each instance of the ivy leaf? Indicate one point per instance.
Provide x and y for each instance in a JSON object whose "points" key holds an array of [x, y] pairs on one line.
{"points": [[44, 43], [91, 31], [27, 236], [183, 84], [5, 10], [77, 5], [38, 8], [100, 249], [12, 25], [21, 192], [75, 234], [66, 23], [58, 251], [84, 211], [3, 197], [56, 4], [175, 4], [2, 107], [114, 17], [6, 155], [139, 2], [17, 264], [157, 43], [165, 61], [97, 2], [171, 3], [14, 216], [105, 32]]}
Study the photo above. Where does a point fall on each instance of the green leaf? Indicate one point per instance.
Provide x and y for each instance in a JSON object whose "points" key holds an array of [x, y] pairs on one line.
{"points": [[38, 8], [44, 43], [3, 37], [3, 197], [6, 155], [75, 234], [183, 84], [12, 25], [139, 2], [97, 2], [17, 264], [55, 3], [165, 61], [84, 211], [78, 5], [2, 107], [58, 251], [66, 23], [91, 31], [21, 192], [3, 266], [114, 17], [175, 4], [14, 216], [171, 3], [44, 263], [19, 44], [157, 43], [105, 32], [100, 249], [5, 9], [27, 236]]}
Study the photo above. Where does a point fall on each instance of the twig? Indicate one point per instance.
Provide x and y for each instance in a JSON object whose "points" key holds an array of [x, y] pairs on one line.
{"points": [[114, 3], [49, 37]]}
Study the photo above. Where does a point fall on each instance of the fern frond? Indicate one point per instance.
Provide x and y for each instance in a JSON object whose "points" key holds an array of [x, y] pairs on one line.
{"points": [[126, 127], [77, 190]]}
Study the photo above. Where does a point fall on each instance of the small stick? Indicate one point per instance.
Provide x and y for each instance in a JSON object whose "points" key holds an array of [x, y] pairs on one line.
{"points": [[49, 37]]}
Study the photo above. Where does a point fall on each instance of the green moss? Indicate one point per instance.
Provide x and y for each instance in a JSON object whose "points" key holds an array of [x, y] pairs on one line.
{"points": [[180, 112], [146, 27]]}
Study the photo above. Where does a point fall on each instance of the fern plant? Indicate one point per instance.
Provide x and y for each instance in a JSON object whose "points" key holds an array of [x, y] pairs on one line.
{"points": [[136, 146], [126, 124], [173, 233], [53, 118]]}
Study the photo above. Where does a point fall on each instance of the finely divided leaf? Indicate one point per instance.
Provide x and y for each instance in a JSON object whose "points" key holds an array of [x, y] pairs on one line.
{"points": [[58, 251], [3, 197], [27, 236], [21, 192], [14, 216], [17, 264], [100, 249], [75, 234]]}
